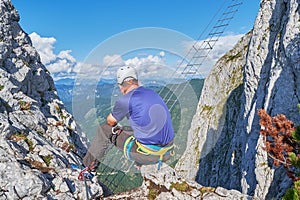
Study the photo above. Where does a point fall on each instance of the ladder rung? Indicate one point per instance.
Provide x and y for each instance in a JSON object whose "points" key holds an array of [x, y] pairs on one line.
{"points": [[222, 25], [212, 40], [205, 48], [234, 5], [224, 19], [194, 72], [229, 12], [216, 33], [199, 56], [194, 64]]}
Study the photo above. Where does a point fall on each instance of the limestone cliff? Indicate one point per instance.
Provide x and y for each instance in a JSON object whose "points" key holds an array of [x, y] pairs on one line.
{"points": [[262, 71], [38, 135], [36, 132]]}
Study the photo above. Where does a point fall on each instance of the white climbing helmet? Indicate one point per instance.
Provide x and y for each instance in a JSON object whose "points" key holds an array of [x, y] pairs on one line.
{"points": [[126, 72]]}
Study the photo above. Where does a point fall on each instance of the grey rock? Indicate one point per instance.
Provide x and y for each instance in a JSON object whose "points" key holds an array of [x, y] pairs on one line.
{"points": [[34, 154], [225, 130], [156, 182]]}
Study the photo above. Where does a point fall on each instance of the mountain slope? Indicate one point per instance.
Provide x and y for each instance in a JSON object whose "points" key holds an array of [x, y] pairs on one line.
{"points": [[37, 134], [225, 130]]}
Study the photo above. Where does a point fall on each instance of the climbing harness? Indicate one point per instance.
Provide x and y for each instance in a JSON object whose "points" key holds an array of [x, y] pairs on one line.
{"points": [[147, 149]]}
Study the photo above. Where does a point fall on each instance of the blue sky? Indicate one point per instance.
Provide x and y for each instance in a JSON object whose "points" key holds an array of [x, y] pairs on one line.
{"points": [[72, 29]]}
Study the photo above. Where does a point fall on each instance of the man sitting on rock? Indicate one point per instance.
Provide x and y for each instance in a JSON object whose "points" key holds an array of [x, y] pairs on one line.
{"points": [[150, 139]]}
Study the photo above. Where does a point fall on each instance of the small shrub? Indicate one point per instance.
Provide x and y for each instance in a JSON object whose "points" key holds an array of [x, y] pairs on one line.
{"points": [[24, 105], [30, 144], [59, 123], [183, 187], [292, 193], [26, 63], [68, 147], [38, 165], [281, 139], [17, 137], [47, 159], [40, 132], [22, 136]]}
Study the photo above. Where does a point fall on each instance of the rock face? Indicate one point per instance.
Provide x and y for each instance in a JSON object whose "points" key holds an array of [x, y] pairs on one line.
{"points": [[167, 184], [38, 136], [262, 71], [36, 132]]}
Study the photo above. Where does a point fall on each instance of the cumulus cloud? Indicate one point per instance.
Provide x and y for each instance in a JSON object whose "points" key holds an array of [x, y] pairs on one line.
{"points": [[113, 60], [44, 46], [63, 64], [60, 65], [149, 66]]}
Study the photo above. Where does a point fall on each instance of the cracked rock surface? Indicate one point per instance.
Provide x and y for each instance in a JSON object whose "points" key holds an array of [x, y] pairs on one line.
{"points": [[37, 134]]}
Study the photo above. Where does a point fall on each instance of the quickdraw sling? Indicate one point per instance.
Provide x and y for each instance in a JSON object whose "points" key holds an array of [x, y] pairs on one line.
{"points": [[148, 149]]}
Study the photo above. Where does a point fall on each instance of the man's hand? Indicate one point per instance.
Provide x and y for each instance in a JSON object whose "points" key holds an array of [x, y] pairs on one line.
{"points": [[111, 121]]}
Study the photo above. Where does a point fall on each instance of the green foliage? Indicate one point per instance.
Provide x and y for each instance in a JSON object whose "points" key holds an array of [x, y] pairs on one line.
{"points": [[17, 137], [24, 105], [180, 186], [291, 194], [47, 159], [40, 132], [26, 63], [296, 134], [22, 136], [30, 144], [294, 160], [1, 87]]}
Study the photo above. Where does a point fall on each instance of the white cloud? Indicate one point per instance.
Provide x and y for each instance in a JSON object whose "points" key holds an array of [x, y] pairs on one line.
{"points": [[149, 66], [114, 60], [63, 64], [44, 46], [60, 65], [66, 55]]}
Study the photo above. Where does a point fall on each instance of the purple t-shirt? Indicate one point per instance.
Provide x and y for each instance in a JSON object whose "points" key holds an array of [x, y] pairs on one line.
{"points": [[148, 115]]}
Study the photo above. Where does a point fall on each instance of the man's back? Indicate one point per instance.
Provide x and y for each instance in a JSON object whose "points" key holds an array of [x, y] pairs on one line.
{"points": [[148, 115]]}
